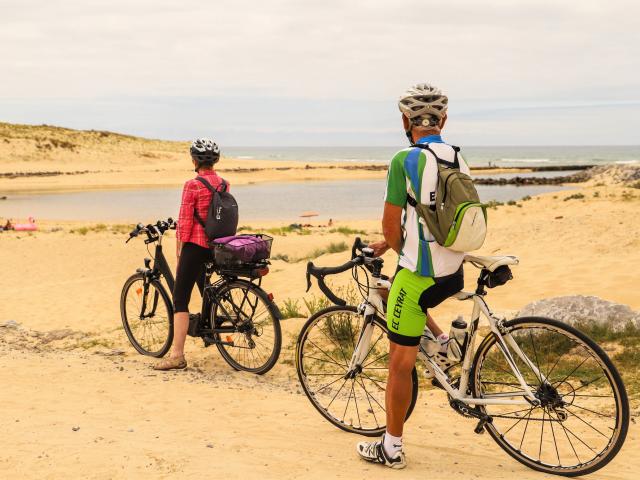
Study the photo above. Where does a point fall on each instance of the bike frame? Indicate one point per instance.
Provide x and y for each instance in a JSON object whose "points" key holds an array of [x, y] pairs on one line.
{"points": [[374, 305]]}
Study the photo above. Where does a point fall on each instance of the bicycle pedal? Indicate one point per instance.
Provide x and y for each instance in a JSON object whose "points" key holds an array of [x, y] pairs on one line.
{"points": [[480, 427]]}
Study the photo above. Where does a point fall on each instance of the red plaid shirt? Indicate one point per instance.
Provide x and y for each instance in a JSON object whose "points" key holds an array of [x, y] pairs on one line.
{"points": [[196, 196]]}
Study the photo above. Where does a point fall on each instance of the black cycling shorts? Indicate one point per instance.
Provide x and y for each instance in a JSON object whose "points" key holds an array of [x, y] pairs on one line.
{"points": [[190, 271]]}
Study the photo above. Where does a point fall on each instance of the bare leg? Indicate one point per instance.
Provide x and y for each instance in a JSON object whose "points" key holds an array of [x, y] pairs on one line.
{"points": [[399, 386], [433, 326], [180, 327]]}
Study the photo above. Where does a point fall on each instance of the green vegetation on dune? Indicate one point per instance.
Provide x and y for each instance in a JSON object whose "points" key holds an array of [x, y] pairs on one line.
{"points": [[61, 134]]}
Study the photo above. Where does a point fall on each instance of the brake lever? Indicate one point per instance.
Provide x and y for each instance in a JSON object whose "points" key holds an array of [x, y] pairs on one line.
{"points": [[309, 265], [354, 248]]}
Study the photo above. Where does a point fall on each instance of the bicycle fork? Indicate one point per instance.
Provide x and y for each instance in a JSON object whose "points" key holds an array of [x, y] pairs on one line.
{"points": [[362, 347]]}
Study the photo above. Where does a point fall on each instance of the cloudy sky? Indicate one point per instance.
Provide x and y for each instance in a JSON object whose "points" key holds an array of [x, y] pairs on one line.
{"points": [[287, 72]]}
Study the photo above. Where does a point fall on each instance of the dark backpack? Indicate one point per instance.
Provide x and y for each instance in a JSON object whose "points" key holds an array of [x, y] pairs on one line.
{"points": [[222, 216]]}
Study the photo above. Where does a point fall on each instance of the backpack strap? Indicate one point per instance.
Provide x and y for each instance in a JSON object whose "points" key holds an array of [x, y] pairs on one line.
{"points": [[209, 187], [455, 164]]}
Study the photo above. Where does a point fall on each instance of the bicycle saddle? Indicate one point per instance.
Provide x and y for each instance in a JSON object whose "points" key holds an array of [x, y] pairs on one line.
{"points": [[491, 263]]}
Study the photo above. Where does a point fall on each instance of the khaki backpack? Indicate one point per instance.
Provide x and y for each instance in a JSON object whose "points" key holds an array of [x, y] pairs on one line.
{"points": [[457, 220]]}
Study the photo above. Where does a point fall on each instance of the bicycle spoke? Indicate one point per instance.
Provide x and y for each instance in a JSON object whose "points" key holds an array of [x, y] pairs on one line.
{"points": [[374, 361], [586, 385], [585, 422], [332, 341], [513, 413], [553, 433], [373, 381], [570, 442], [325, 353], [525, 429], [541, 434], [348, 400], [368, 396], [339, 390], [326, 361], [374, 345], [576, 437], [329, 384], [593, 411], [572, 372], [519, 420], [535, 352]]}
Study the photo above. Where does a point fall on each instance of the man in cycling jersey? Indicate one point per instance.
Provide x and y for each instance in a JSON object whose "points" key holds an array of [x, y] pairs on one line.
{"points": [[427, 274]]}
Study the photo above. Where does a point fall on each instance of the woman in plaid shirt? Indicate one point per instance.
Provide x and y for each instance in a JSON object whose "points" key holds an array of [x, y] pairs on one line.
{"points": [[191, 246]]}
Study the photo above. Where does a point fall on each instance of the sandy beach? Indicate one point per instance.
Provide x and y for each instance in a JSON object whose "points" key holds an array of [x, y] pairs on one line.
{"points": [[79, 402]]}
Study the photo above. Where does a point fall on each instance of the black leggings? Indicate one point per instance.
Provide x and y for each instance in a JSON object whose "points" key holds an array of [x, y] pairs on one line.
{"points": [[190, 271]]}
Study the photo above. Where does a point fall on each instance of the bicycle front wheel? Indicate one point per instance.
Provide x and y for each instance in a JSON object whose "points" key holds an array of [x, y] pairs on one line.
{"points": [[147, 315], [254, 343], [352, 400], [582, 418]]}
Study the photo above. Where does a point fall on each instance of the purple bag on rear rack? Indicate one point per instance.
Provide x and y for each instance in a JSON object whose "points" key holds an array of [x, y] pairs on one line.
{"points": [[241, 249]]}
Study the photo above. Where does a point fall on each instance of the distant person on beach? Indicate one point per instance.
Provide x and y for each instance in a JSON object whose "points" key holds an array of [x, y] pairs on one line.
{"points": [[192, 248], [427, 273]]}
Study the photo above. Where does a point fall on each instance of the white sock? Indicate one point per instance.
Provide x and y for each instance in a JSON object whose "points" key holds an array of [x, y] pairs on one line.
{"points": [[443, 338], [392, 445]]}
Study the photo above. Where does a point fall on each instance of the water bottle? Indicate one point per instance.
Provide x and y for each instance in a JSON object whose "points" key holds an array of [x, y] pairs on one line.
{"points": [[457, 340]]}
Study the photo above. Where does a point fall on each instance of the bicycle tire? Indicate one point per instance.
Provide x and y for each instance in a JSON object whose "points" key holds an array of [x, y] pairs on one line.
{"points": [[272, 310], [610, 372], [302, 377], [135, 341]]}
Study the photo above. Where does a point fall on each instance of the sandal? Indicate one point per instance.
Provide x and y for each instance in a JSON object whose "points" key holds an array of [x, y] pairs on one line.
{"points": [[171, 363]]}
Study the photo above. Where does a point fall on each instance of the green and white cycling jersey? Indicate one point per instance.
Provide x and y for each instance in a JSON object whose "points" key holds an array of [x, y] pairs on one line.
{"points": [[414, 170]]}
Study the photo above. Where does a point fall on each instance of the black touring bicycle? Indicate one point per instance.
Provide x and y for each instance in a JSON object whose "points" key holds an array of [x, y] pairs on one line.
{"points": [[237, 315]]}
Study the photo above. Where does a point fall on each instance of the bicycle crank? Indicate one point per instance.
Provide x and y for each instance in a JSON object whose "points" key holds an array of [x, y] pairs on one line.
{"points": [[468, 412]]}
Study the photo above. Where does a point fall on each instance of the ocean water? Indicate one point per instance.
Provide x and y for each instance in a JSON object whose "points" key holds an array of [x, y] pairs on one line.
{"points": [[342, 199], [476, 156]]}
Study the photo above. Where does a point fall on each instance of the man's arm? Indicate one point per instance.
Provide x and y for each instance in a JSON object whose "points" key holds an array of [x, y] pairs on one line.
{"points": [[392, 226]]}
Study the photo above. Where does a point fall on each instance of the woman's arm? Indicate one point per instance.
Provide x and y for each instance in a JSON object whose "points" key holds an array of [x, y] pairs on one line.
{"points": [[185, 218]]}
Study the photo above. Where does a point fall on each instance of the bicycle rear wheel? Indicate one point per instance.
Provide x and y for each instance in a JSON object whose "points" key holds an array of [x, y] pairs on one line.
{"points": [[147, 316], [583, 416], [353, 401], [254, 345]]}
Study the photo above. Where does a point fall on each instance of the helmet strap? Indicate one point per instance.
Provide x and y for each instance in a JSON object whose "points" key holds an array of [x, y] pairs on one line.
{"points": [[409, 135]]}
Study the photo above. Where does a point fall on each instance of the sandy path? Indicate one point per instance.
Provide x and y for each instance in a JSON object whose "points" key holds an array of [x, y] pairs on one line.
{"points": [[136, 424]]}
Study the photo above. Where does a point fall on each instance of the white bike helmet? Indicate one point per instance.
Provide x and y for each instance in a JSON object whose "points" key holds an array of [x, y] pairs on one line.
{"points": [[424, 105], [204, 151]]}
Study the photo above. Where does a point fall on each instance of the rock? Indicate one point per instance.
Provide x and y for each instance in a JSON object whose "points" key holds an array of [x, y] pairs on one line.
{"points": [[615, 174], [209, 445], [576, 309], [55, 335], [75, 429], [10, 324], [111, 353]]}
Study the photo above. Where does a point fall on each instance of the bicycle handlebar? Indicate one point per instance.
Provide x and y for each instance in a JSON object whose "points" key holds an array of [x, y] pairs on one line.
{"points": [[153, 230], [357, 259], [320, 272]]}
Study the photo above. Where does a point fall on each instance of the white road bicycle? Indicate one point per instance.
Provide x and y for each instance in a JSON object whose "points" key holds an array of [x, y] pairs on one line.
{"points": [[546, 393]]}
